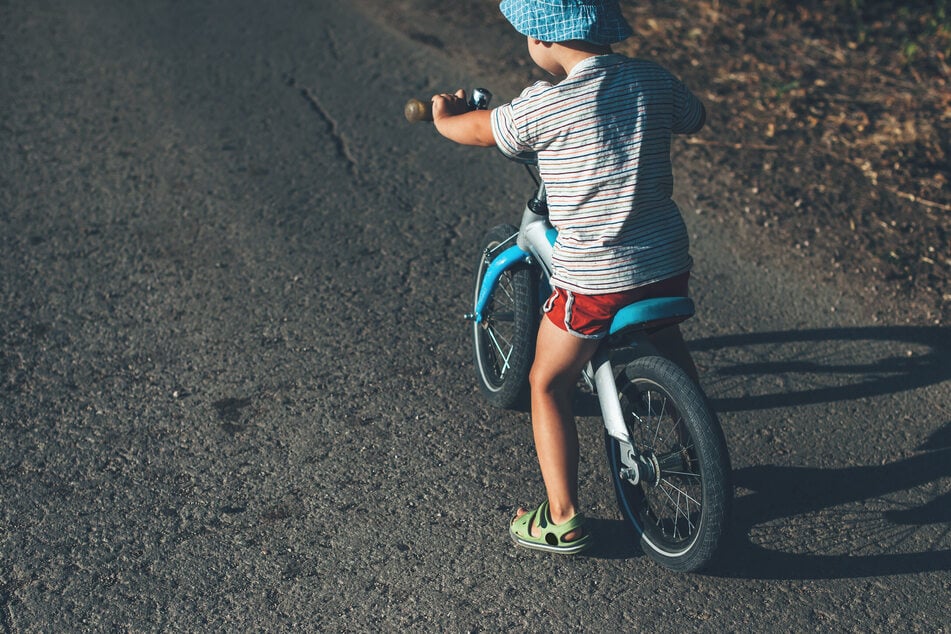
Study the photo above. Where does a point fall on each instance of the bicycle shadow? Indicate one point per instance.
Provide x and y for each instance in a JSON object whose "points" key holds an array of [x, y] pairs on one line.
{"points": [[806, 523], [884, 360], [811, 523]]}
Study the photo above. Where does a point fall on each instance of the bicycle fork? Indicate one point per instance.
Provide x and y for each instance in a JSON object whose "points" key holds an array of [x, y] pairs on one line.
{"points": [[638, 467]]}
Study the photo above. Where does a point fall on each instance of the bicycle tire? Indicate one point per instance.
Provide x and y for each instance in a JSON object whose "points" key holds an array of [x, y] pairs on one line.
{"points": [[681, 510], [504, 342]]}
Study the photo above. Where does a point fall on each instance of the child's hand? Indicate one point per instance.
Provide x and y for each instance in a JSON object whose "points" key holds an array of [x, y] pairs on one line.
{"points": [[446, 105], [455, 121]]}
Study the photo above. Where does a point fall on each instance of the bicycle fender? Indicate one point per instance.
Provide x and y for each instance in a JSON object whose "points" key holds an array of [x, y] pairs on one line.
{"points": [[502, 262]]}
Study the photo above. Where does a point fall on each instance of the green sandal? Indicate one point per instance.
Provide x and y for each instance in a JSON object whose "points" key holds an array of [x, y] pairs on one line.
{"points": [[552, 537]]}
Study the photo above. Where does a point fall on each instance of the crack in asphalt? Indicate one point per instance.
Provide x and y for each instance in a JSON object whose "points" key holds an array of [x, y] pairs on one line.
{"points": [[340, 141], [332, 44]]}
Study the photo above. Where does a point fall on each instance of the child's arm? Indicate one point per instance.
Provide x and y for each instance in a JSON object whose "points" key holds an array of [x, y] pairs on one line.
{"points": [[690, 115], [456, 122]]}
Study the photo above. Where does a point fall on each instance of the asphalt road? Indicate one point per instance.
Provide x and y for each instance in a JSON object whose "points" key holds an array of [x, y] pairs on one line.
{"points": [[235, 385]]}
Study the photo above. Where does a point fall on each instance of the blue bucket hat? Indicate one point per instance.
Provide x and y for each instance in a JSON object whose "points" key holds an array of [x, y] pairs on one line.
{"points": [[595, 21]]}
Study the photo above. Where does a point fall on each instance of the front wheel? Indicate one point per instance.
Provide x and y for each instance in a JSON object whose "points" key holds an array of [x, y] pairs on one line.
{"points": [[674, 485], [504, 341]]}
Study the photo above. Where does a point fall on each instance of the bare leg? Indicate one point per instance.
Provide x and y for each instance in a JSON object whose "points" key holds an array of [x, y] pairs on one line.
{"points": [[559, 358]]}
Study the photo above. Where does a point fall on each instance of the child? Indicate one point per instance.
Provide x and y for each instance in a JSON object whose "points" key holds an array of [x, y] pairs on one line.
{"points": [[602, 136]]}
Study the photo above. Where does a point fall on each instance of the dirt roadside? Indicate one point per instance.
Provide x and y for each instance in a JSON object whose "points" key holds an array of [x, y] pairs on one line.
{"points": [[828, 138]]}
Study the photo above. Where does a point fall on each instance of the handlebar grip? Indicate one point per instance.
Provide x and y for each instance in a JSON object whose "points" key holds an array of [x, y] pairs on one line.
{"points": [[416, 111]]}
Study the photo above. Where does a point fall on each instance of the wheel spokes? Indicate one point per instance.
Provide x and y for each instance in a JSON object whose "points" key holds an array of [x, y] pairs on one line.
{"points": [[673, 497], [678, 510], [502, 355], [501, 342]]}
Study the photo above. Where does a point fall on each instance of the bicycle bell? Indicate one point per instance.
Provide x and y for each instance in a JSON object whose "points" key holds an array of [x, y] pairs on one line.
{"points": [[480, 99]]}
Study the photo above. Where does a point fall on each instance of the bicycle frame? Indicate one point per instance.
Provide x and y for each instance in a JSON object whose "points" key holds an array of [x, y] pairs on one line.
{"points": [[533, 246]]}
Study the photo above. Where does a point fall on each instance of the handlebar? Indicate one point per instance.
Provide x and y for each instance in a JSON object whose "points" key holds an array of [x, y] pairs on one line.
{"points": [[417, 110]]}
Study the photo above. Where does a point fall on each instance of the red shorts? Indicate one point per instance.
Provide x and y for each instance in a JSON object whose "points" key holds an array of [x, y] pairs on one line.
{"points": [[589, 316]]}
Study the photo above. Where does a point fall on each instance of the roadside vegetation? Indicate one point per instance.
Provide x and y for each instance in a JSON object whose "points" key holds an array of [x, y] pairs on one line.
{"points": [[836, 119]]}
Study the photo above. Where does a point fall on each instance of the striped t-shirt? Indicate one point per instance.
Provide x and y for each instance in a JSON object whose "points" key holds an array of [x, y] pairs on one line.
{"points": [[603, 141]]}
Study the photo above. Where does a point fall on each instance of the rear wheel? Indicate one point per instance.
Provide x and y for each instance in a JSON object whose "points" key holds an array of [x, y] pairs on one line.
{"points": [[674, 484], [504, 341]]}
